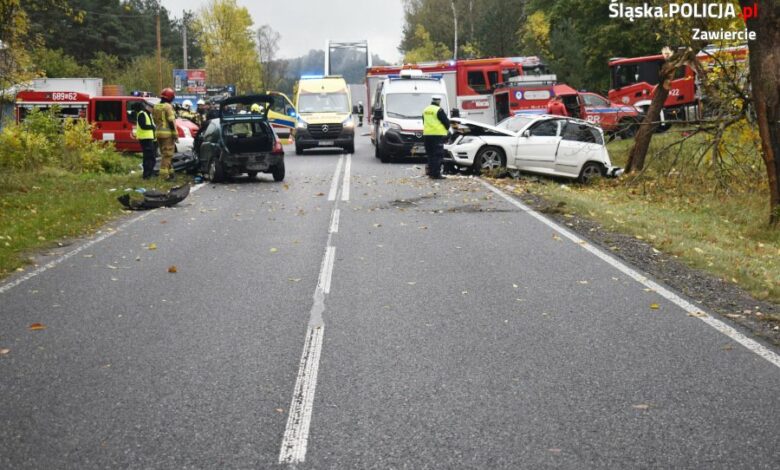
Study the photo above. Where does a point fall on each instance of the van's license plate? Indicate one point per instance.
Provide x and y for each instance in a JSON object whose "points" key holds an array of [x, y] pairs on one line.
{"points": [[326, 143]]}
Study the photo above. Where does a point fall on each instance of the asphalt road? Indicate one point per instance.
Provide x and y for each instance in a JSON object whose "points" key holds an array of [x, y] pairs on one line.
{"points": [[424, 326]]}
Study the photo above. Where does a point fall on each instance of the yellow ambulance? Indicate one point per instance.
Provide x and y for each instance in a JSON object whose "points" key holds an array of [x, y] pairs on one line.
{"points": [[281, 114], [324, 114]]}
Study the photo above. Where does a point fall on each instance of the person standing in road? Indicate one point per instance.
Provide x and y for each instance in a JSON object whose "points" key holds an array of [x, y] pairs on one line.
{"points": [[144, 132], [360, 113], [435, 129], [165, 117]]}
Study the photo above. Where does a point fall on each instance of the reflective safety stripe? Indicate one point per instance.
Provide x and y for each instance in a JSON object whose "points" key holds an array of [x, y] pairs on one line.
{"points": [[144, 134], [163, 115], [431, 123]]}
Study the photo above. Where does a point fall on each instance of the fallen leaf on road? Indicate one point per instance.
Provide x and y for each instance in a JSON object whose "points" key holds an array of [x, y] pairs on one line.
{"points": [[37, 326], [554, 450], [320, 194], [110, 266], [728, 347], [88, 256], [655, 306], [273, 250], [172, 269], [641, 406], [377, 225], [583, 282], [556, 238], [411, 283], [734, 315], [4, 351], [279, 410], [152, 246], [464, 292], [697, 314], [294, 279], [163, 221], [286, 186], [515, 286]]}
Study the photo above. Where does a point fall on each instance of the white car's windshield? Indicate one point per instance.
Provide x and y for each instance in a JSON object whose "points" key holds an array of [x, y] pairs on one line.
{"points": [[410, 105], [323, 103], [514, 124]]}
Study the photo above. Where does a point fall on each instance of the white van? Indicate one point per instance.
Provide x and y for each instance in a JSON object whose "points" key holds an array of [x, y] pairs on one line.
{"points": [[396, 116]]}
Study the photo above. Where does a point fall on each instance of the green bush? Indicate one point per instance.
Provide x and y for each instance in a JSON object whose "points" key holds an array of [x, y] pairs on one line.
{"points": [[22, 150], [45, 140]]}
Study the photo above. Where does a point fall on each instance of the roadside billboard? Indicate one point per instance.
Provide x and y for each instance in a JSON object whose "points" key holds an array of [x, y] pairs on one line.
{"points": [[192, 81]]}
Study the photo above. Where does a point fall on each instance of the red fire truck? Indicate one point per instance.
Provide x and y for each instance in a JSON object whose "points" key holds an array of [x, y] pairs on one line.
{"points": [[470, 82], [531, 94], [633, 82], [112, 117]]}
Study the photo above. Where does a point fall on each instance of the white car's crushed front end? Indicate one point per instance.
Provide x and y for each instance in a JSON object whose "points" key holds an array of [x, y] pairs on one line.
{"points": [[463, 150]]}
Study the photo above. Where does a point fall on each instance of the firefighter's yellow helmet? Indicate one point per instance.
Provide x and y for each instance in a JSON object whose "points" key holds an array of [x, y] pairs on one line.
{"points": [[256, 108]]}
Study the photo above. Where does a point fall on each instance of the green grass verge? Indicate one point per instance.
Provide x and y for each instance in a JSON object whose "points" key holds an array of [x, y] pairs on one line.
{"points": [[725, 233], [38, 209]]}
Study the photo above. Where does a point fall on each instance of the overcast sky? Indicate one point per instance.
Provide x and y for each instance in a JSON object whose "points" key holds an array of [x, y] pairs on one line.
{"points": [[307, 24]]}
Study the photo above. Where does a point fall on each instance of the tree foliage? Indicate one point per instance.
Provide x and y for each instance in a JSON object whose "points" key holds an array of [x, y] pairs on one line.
{"points": [[426, 49], [267, 47], [16, 38], [229, 45], [122, 28]]}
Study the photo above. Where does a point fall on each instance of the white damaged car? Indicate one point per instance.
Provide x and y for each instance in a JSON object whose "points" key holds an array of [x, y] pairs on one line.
{"points": [[550, 145]]}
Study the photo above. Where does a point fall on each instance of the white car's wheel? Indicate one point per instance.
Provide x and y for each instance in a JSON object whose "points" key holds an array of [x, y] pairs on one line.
{"points": [[489, 159], [590, 172]]}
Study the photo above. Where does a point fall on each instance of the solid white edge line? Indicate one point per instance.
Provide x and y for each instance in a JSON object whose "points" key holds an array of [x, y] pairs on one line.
{"points": [[334, 221], [296, 433], [10, 285], [689, 308], [334, 185], [347, 176]]}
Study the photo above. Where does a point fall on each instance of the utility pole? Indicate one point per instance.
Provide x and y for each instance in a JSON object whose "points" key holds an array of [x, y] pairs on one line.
{"points": [[159, 55], [184, 38], [455, 23]]}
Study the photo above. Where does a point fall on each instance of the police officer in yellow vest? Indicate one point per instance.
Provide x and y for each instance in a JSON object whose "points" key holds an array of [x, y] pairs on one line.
{"points": [[167, 136], [144, 132], [435, 128]]}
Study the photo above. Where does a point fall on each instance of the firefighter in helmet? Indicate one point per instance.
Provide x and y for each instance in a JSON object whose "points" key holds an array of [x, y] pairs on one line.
{"points": [[187, 112], [167, 136], [256, 108]]}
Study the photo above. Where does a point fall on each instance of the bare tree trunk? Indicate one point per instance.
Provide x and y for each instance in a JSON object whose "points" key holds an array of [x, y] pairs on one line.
{"points": [[765, 82], [636, 158]]}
